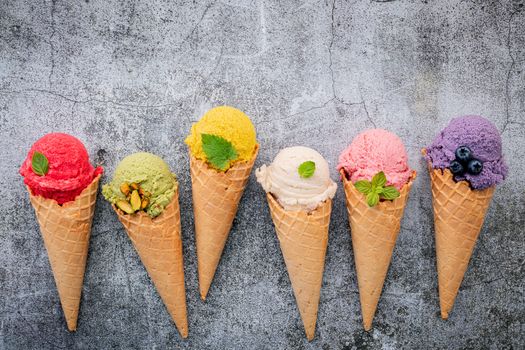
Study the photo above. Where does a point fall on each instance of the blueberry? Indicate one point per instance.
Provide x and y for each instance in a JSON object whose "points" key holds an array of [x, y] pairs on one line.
{"points": [[456, 168], [463, 154], [474, 167]]}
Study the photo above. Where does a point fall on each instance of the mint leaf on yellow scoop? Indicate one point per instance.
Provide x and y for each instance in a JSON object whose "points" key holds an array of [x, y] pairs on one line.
{"points": [[219, 151]]}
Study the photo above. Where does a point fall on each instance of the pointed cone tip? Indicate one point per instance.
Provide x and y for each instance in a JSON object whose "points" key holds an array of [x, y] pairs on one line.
{"points": [[71, 322], [184, 333], [310, 333], [203, 292], [71, 329]]}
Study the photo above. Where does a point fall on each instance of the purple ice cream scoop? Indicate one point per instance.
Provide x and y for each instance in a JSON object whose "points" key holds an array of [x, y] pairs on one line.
{"points": [[483, 139]]}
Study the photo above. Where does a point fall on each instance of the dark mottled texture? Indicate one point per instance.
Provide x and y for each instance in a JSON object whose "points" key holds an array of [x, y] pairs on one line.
{"points": [[125, 76]]}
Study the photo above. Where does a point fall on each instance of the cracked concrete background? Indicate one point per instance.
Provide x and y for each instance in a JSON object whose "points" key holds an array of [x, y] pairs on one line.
{"points": [[125, 76]]}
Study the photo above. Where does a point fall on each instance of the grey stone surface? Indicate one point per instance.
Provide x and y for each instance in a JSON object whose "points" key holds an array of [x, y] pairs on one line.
{"points": [[125, 76]]}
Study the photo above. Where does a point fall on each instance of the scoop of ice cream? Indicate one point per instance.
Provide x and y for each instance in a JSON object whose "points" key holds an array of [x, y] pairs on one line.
{"points": [[69, 171], [229, 123], [282, 179], [373, 151], [483, 139], [151, 173]]}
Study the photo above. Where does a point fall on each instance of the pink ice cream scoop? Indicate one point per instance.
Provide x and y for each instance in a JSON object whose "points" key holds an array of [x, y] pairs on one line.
{"points": [[373, 151]]}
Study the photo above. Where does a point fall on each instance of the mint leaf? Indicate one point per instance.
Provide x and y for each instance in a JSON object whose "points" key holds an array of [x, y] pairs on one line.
{"points": [[390, 193], [306, 169], [363, 186], [372, 199], [376, 190], [379, 180], [219, 151], [39, 163]]}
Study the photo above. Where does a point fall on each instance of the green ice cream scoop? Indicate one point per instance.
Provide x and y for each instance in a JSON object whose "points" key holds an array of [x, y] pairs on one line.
{"points": [[151, 173]]}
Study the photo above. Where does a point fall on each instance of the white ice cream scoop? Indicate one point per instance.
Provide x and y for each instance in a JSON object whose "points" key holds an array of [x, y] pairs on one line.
{"points": [[294, 190]]}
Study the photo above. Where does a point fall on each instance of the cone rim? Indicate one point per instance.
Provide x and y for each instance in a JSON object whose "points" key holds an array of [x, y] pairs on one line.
{"points": [[307, 212], [142, 212], [236, 164], [406, 187], [445, 171], [68, 203]]}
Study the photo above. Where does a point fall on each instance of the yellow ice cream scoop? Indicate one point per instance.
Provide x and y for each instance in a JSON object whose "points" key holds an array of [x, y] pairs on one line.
{"points": [[219, 127]]}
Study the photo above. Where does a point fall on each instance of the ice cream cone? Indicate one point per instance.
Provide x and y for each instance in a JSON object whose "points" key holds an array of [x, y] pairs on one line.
{"points": [[303, 237], [374, 232], [159, 245], [66, 230], [459, 213], [216, 196]]}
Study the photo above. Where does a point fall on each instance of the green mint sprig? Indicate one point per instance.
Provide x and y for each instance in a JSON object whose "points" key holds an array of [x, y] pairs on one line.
{"points": [[219, 151], [376, 190], [306, 169], [39, 163]]}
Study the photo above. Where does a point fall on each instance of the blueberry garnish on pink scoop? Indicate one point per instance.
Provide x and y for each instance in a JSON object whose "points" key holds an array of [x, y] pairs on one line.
{"points": [[465, 162]]}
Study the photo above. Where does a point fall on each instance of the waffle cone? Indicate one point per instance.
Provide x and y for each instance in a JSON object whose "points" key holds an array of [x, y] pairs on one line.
{"points": [[159, 245], [216, 196], [374, 232], [459, 213], [66, 230], [303, 237]]}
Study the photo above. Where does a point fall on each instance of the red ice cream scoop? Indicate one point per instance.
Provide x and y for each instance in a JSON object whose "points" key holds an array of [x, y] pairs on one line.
{"points": [[68, 169]]}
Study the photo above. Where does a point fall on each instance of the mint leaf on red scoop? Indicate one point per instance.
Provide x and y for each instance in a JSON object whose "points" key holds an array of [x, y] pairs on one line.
{"points": [[39, 163], [219, 151]]}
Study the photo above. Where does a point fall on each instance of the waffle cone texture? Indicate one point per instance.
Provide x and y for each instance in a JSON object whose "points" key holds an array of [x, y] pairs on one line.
{"points": [[459, 213], [374, 232], [216, 197], [66, 230], [159, 245], [303, 237]]}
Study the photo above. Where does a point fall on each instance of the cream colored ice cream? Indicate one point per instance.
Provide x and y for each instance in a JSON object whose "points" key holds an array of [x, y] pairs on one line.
{"points": [[292, 189]]}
